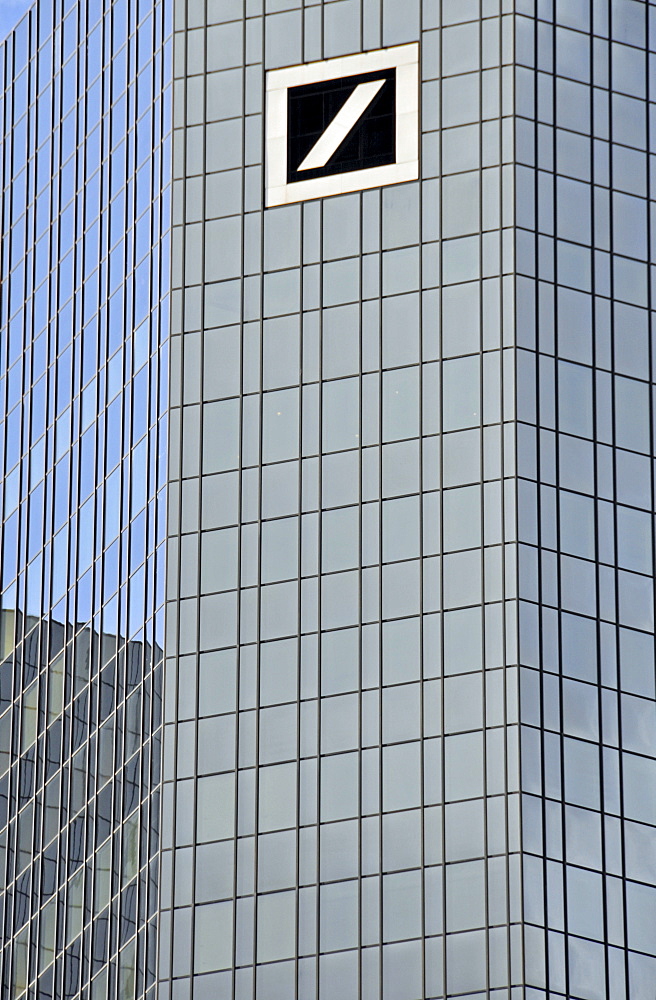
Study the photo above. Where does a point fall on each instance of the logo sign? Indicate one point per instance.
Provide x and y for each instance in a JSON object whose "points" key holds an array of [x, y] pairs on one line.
{"points": [[342, 125]]}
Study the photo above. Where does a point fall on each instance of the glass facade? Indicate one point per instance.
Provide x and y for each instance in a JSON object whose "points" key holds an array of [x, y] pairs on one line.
{"points": [[398, 599], [84, 313], [341, 773], [410, 670], [585, 414]]}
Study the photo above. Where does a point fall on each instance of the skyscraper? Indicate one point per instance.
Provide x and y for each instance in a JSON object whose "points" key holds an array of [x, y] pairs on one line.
{"points": [[409, 689], [83, 399]]}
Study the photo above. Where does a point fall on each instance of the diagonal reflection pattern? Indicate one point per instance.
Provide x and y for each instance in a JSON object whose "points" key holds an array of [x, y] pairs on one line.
{"points": [[341, 125]]}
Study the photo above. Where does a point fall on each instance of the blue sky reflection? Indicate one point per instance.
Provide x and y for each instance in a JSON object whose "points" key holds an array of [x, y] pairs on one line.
{"points": [[11, 12]]}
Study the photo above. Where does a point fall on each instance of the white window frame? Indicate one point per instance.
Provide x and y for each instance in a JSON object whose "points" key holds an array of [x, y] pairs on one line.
{"points": [[403, 58]]}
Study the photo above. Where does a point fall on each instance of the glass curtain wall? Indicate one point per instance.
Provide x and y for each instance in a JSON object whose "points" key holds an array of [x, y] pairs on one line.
{"points": [[84, 313], [341, 786], [585, 374]]}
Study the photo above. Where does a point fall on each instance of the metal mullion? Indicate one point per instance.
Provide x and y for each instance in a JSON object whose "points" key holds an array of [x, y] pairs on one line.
{"points": [[503, 496], [128, 353], [54, 270], [539, 533], [561, 738], [595, 400], [442, 738], [76, 349], [100, 464], [29, 369], [381, 649], [481, 263], [323, 56], [258, 603], [320, 579], [164, 230], [361, 563], [15, 163], [423, 560], [299, 591], [614, 502], [50, 330]]}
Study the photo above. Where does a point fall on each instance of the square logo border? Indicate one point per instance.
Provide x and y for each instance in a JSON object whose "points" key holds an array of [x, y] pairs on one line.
{"points": [[405, 59]]}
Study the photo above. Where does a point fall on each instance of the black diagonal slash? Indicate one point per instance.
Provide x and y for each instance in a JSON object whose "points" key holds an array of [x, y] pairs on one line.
{"points": [[371, 141]]}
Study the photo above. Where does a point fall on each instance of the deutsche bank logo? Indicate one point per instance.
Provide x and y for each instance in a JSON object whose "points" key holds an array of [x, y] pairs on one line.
{"points": [[342, 125]]}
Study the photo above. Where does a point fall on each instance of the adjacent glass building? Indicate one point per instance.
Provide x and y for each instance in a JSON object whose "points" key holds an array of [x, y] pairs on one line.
{"points": [[405, 631], [85, 168]]}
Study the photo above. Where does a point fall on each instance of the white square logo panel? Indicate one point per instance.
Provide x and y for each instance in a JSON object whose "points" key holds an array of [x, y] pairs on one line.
{"points": [[342, 125]]}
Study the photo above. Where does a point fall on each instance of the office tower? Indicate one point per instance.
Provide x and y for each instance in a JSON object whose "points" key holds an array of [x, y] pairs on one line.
{"points": [[85, 187], [409, 663], [411, 494]]}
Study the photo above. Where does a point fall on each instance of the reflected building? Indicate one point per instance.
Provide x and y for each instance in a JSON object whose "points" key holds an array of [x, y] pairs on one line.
{"points": [[404, 420], [90, 811], [83, 376]]}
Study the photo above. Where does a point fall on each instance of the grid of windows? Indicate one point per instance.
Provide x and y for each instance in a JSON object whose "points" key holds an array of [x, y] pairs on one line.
{"points": [[340, 800], [411, 503], [83, 366], [586, 494]]}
